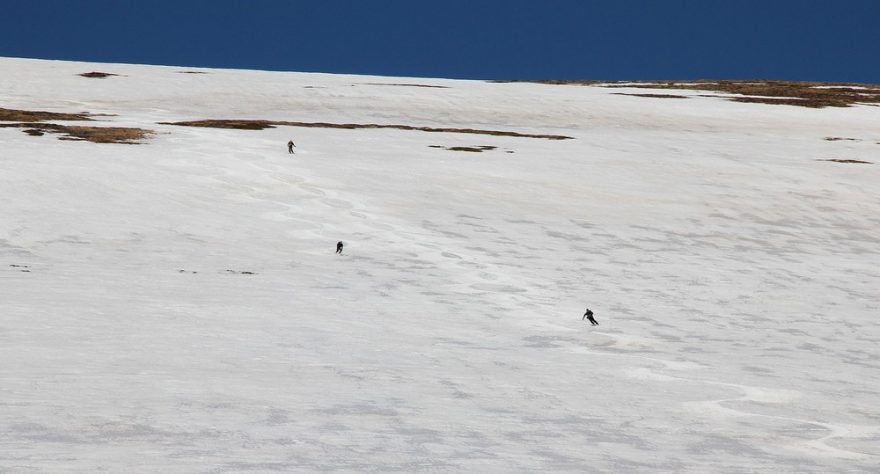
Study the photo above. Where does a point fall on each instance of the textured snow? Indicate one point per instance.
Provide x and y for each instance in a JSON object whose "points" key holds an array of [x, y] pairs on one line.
{"points": [[736, 280]]}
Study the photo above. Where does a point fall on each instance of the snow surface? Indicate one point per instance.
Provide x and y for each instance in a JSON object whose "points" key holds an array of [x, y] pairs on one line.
{"points": [[735, 278]]}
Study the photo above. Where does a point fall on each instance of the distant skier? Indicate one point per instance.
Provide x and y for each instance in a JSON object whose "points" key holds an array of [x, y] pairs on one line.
{"points": [[338, 247], [589, 315], [290, 146]]}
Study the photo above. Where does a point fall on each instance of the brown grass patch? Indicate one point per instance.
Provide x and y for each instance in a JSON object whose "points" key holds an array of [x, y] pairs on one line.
{"points": [[797, 93], [404, 85], [124, 135], [473, 149], [97, 75], [801, 94], [263, 124], [13, 115], [576, 82], [816, 104], [837, 160], [235, 124], [654, 96]]}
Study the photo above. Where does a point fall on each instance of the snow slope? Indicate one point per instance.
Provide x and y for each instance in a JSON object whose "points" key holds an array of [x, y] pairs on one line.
{"points": [[736, 280]]}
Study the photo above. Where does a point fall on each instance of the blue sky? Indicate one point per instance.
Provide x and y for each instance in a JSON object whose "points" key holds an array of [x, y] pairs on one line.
{"points": [[480, 39]]}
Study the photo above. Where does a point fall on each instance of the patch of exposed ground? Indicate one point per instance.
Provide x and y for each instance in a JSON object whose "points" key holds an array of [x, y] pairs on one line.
{"points": [[654, 96], [798, 93], [404, 85], [802, 94], [13, 115], [192, 72], [97, 75], [21, 268], [783, 101], [236, 124], [263, 124], [837, 139], [125, 135], [239, 272], [578, 82], [837, 160], [474, 149]]}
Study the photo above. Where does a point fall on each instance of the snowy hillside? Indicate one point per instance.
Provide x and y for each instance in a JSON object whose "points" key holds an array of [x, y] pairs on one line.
{"points": [[175, 305]]}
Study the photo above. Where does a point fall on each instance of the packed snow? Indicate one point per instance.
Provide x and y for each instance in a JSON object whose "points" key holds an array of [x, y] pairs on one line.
{"points": [[177, 305]]}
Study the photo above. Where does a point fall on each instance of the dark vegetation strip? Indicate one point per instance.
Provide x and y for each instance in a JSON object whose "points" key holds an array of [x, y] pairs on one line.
{"points": [[837, 160], [798, 93], [473, 149], [263, 124], [801, 94], [576, 82], [97, 75], [654, 96], [405, 85], [10, 115], [130, 136]]}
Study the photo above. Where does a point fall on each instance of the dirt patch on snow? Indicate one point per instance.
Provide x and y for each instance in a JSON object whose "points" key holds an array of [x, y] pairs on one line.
{"points": [[783, 101], [263, 124], [838, 139], [472, 149], [654, 96], [124, 135], [801, 94], [235, 124], [97, 74], [837, 160], [797, 93], [13, 115], [565, 82], [240, 272], [404, 85]]}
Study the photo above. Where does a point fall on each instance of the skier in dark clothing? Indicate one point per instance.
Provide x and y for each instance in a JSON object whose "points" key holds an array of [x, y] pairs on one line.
{"points": [[589, 315], [338, 247], [290, 146]]}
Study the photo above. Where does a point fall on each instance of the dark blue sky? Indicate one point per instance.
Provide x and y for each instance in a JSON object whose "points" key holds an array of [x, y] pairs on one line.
{"points": [[482, 39]]}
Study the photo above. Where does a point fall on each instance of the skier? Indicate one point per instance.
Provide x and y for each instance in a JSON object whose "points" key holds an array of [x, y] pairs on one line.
{"points": [[589, 315], [338, 247], [290, 146]]}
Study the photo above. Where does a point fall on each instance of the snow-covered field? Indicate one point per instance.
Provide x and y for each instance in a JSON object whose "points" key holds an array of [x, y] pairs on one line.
{"points": [[177, 306]]}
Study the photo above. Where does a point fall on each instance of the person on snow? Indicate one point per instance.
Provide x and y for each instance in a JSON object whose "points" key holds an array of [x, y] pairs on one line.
{"points": [[290, 146], [589, 315], [338, 247]]}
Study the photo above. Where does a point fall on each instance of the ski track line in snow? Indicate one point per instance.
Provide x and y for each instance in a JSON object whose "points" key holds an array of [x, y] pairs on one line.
{"points": [[750, 394], [481, 279], [485, 279]]}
